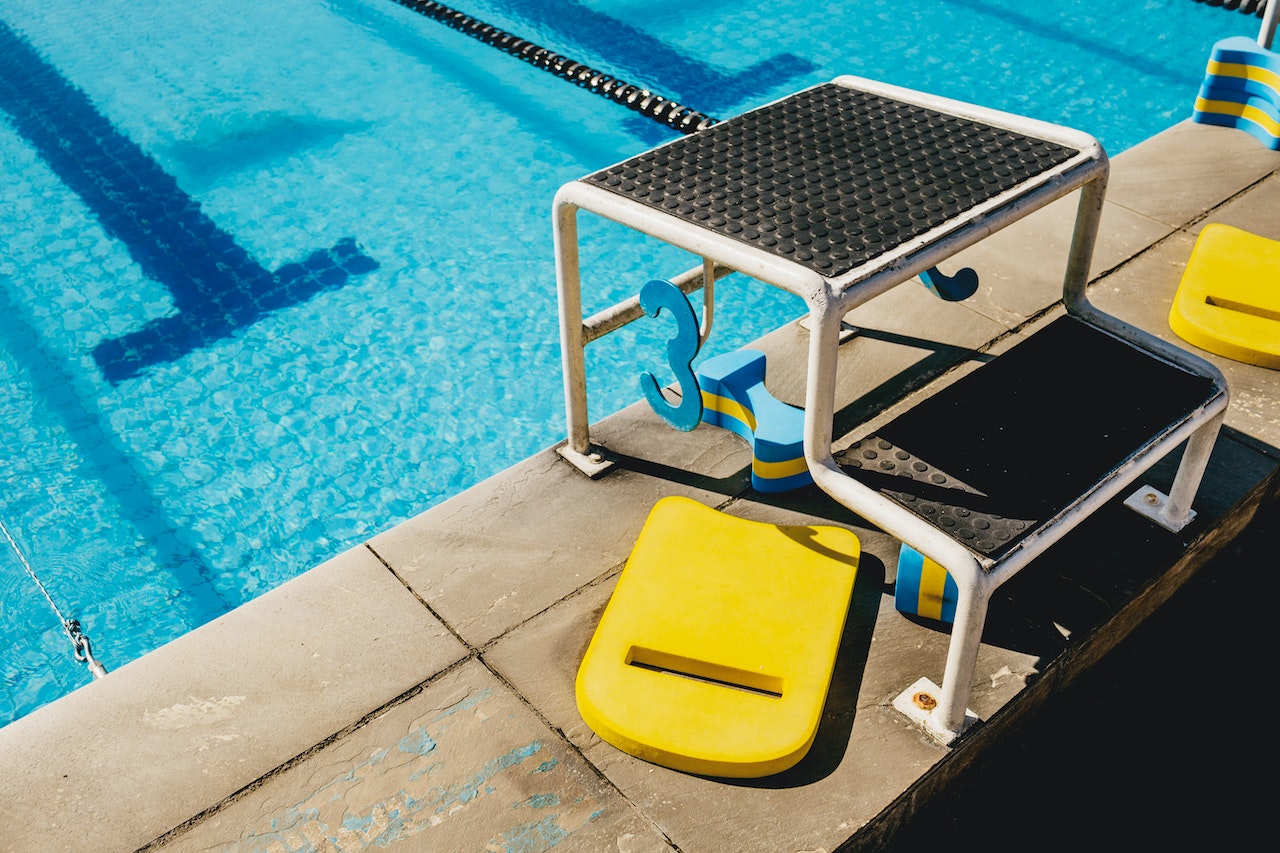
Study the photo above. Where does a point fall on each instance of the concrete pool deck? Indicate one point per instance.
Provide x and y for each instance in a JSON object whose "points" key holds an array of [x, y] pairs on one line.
{"points": [[416, 692]]}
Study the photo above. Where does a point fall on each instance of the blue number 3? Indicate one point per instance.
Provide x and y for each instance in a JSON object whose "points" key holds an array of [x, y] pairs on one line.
{"points": [[681, 349]]}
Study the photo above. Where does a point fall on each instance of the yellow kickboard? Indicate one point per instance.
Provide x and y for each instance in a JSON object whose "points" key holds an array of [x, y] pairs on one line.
{"points": [[1229, 300], [716, 649]]}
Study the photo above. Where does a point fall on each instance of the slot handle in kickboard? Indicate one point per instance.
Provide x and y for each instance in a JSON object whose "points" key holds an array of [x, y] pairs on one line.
{"points": [[720, 675]]}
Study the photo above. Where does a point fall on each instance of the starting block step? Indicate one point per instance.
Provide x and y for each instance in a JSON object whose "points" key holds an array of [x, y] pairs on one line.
{"points": [[716, 649], [997, 454]]}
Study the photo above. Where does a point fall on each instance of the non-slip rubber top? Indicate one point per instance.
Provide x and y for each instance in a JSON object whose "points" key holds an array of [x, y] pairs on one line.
{"points": [[999, 453], [831, 177]]}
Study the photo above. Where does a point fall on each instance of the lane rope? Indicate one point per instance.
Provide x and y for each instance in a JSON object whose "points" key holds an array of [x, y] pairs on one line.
{"points": [[677, 116], [1247, 7]]}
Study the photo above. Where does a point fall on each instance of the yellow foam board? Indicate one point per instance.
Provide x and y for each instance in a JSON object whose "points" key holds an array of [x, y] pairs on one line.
{"points": [[1228, 302], [716, 649]]}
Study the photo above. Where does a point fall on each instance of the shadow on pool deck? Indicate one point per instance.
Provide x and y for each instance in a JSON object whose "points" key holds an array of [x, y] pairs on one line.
{"points": [[1145, 751], [417, 692]]}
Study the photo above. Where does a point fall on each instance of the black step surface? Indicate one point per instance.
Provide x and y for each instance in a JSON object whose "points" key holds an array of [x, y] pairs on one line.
{"points": [[991, 457], [831, 177]]}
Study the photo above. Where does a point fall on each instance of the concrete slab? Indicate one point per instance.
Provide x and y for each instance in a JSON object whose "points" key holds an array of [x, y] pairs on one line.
{"points": [[461, 765], [517, 543], [864, 754], [183, 728], [1178, 176], [848, 791], [1021, 267], [1257, 210]]}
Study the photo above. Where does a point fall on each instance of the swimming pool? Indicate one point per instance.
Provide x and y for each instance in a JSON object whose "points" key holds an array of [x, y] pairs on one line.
{"points": [[279, 276]]}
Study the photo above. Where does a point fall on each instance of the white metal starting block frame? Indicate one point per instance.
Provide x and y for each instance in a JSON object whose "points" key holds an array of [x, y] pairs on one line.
{"points": [[1078, 162]]}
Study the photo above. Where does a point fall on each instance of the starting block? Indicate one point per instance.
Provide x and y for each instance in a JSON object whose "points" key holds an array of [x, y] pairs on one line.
{"points": [[1229, 300], [716, 649], [734, 397]]}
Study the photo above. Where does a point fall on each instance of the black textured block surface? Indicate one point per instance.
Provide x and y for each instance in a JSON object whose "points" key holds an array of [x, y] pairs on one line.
{"points": [[994, 455], [831, 177]]}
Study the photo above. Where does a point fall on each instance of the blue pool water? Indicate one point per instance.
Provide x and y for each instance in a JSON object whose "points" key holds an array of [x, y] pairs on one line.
{"points": [[277, 276]]}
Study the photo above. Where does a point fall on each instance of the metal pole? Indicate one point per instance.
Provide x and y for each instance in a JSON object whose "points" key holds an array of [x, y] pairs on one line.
{"points": [[1267, 32], [571, 336]]}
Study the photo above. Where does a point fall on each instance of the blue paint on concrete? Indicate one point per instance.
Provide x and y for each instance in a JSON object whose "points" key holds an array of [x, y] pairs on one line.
{"points": [[294, 816], [430, 770], [467, 791], [546, 766], [536, 837], [396, 828], [538, 801], [417, 742], [360, 824], [402, 816], [465, 705]]}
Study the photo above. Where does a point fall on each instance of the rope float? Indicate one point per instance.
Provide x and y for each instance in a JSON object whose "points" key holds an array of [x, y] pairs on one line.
{"points": [[636, 98], [79, 642], [1248, 7]]}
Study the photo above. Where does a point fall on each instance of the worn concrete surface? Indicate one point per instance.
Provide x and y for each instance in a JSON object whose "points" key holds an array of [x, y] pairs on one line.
{"points": [[416, 692]]}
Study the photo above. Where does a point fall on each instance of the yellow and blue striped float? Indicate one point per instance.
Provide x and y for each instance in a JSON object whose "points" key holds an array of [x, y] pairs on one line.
{"points": [[734, 398], [1241, 89], [923, 588]]}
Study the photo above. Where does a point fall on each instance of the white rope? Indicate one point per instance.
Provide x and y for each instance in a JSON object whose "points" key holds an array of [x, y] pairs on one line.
{"points": [[22, 558], [79, 642]]}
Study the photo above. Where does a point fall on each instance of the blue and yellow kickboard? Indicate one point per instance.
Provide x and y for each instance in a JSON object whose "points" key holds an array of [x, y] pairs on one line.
{"points": [[734, 398], [923, 588], [1241, 89]]}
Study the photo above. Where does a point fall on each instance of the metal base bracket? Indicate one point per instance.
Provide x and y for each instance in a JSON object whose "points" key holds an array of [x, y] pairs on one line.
{"points": [[1150, 503], [594, 463], [917, 703], [847, 330]]}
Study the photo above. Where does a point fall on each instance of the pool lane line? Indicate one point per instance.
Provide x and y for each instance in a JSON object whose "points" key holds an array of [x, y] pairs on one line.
{"points": [[217, 287], [684, 119], [631, 50], [648, 104]]}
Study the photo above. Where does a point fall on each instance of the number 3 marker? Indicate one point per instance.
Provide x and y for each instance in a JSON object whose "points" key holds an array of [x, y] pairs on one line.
{"points": [[681, 349]]}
